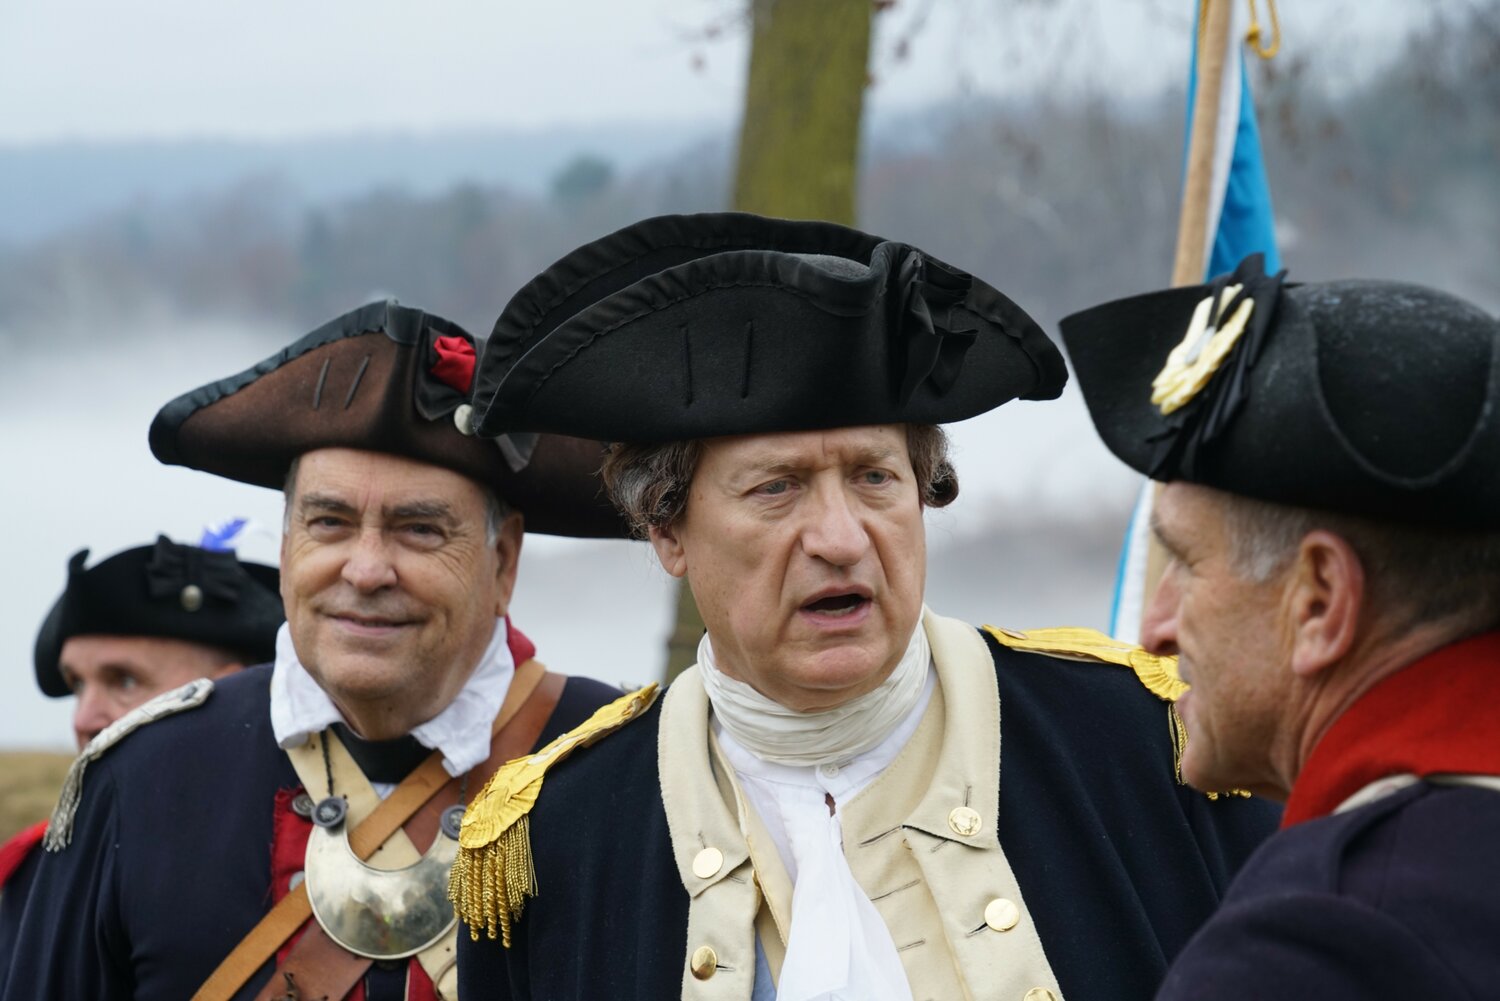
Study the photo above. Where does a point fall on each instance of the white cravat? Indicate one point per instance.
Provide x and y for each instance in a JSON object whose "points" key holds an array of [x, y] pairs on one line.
{"points": [[772, 732], [839, 948], [300, 708]]}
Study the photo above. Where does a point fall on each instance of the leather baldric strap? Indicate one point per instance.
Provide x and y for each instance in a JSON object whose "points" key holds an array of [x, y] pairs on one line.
{"points": [[414, 805]]}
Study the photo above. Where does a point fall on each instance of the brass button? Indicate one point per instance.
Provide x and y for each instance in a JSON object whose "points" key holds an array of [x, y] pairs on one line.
{"points": [[707, 863], [965, 821], [705, 962], [1039, 994], [191, 598], [1001, 915]]}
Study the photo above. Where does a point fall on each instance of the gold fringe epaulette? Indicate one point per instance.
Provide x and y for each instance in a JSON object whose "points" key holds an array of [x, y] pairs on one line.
{"points": [[494, 872], [1156, 672]]}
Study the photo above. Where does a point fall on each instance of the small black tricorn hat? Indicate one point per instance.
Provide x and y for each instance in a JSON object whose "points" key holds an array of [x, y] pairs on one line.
{"points": [[383, 378], [1371, 398], [166, 590], [696, 326]]}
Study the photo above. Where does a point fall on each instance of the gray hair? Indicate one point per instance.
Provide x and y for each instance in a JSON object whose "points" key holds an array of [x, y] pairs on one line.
{"points": [[650, 483], [1414, 575], [495, 509]]}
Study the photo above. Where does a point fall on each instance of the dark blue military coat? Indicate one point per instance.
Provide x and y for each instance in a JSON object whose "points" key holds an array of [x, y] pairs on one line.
{"points": [[170, 863], [1398, 899], [1395, 898], [1118, 863]]}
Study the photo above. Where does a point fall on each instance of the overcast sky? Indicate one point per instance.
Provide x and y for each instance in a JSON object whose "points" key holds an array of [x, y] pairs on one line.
{"points": [[278, 68]]}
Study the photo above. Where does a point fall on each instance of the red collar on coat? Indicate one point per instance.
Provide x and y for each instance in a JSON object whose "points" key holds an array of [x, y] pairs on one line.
{"points": [[14, 851], [1440, 714]]}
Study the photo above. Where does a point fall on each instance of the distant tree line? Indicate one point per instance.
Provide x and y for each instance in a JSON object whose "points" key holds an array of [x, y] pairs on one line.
{"points": [[1061, 203]]}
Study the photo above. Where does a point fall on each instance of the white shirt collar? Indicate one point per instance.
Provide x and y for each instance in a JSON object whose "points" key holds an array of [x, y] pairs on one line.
{"points": [[775, 733], [300, 708]]}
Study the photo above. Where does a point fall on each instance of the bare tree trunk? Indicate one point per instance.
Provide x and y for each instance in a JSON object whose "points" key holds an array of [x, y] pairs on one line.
{"points": [[799, 141], [799, 149]]}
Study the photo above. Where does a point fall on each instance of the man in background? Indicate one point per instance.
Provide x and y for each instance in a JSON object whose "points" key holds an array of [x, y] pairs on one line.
{"points": [[140, 623]]}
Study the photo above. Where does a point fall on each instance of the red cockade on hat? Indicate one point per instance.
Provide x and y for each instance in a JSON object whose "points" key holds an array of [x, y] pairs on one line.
{"points": [[455, 364]]}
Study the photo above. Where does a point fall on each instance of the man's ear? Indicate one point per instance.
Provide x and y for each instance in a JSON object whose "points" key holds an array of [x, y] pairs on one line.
{"points": [[669, 549], [508, 554], [1325, 597]]}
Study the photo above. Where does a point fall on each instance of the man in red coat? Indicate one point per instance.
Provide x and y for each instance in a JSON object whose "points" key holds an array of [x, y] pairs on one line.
{"points": [[1331, 514]]}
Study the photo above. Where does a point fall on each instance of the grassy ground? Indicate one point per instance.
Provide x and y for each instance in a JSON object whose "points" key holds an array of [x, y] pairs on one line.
{"points": [[29, 781]]}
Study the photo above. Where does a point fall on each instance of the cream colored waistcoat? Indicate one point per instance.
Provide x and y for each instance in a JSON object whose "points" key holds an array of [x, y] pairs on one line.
{"points": [[920, 840]]}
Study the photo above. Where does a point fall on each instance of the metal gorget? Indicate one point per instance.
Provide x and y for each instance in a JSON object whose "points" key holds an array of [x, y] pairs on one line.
{"points": [[378, 913]]}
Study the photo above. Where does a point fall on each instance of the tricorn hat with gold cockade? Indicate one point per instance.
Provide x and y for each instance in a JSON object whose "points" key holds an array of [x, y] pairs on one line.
{"points": [[383, 378], [1371, 398]]}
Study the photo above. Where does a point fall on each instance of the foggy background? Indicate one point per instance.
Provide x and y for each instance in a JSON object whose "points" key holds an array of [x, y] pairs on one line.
{"points": [[187, 187]]}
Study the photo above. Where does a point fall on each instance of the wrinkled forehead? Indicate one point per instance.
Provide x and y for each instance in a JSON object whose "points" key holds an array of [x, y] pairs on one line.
{"points": [[90, 652], [805, 450], [358, 478], [1189, 516]]}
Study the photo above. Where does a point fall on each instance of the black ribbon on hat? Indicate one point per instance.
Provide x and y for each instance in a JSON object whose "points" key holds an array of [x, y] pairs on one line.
{"points": [[172, 567], [934, 349], [1209, 414]]}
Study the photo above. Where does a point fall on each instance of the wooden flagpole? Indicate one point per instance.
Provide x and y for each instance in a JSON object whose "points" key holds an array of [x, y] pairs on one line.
{"points": [[1191, 258], [1192, 224]]}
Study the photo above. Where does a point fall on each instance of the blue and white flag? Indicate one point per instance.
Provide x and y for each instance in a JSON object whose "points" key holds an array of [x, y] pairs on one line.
{"points": [[1240, 223], [1240, 220]]}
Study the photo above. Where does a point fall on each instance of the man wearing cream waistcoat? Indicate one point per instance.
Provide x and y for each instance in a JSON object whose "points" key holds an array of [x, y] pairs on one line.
{"points": [[849, 796]]}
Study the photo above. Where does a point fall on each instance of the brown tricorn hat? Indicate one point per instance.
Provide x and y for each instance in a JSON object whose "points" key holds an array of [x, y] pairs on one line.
{"points": [[383, 378]]}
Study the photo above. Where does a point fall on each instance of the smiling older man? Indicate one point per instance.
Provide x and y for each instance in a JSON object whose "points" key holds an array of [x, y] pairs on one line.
{"points": [[850, 796], [1331, 513], [288, 832]]}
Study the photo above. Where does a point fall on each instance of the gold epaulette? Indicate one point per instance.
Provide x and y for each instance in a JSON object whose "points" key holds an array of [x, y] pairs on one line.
{"points": [[1156, 672], [494, 872]]}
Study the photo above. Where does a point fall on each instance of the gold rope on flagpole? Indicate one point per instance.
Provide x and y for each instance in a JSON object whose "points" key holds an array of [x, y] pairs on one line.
{"points": [[1252, 35]]}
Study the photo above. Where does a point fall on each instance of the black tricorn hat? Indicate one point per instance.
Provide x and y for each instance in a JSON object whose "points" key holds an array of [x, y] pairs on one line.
{"points": [[1370, 398], [383, 378], [166, 590], [695, 326]]}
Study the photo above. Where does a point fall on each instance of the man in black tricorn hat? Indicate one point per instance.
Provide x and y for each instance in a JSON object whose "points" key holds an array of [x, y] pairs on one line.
{"points": [[1331, 513], [149, 619], [135, 625], [287, 832], [849, 796]]}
